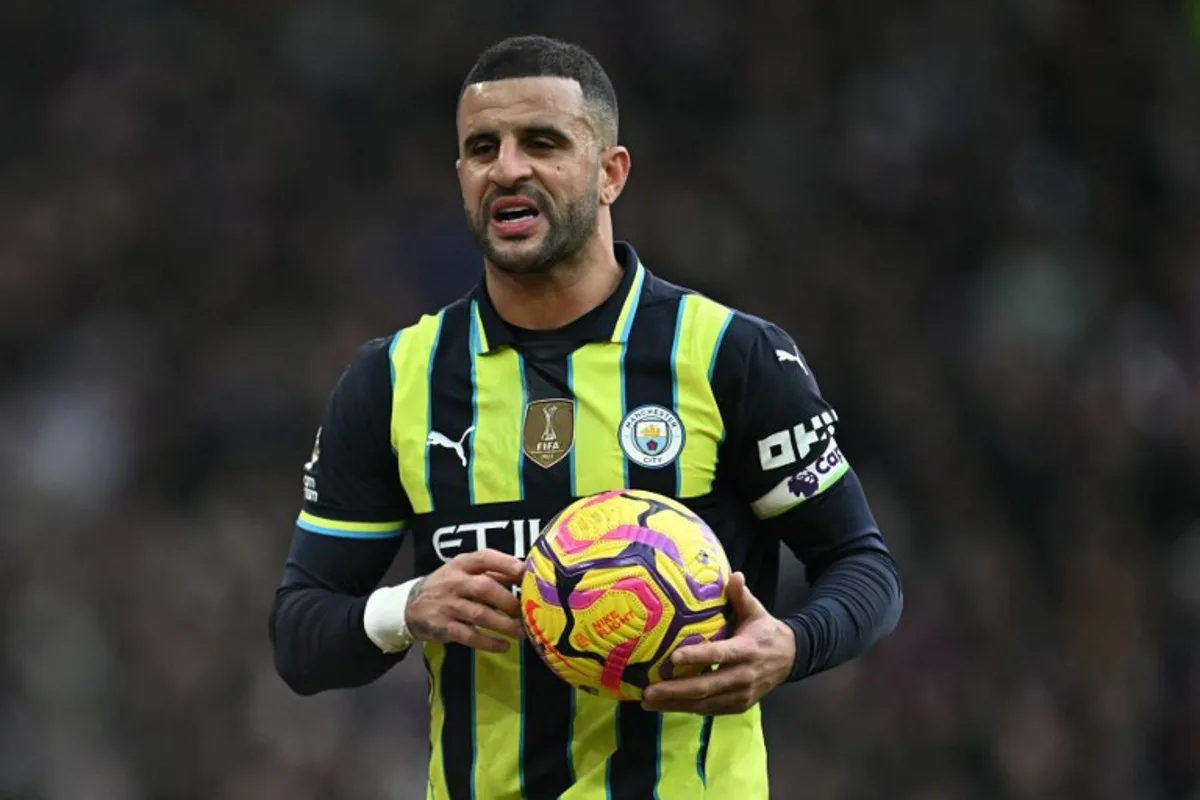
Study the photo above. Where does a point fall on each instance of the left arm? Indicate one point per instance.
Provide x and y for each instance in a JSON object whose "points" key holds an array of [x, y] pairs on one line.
{"points": [[797, 481], [856, 597]]}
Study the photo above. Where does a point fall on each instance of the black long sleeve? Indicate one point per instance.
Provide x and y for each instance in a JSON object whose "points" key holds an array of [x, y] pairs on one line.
{"points": [[320, 643], [856, 597], [316, 624], [345, 539], [795, 478], [856, 602]]}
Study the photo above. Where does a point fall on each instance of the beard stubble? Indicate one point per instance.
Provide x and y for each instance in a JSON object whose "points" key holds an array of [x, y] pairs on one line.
{"points": [[569, 231]]}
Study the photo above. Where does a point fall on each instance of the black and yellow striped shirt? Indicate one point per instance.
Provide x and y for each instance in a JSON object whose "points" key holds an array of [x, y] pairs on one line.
{"points": [[463, 433]]}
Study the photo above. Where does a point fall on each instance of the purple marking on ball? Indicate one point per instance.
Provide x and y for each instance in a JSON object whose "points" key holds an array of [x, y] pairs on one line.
{"points": [[547, 592], [643, 555], [637, 535]]}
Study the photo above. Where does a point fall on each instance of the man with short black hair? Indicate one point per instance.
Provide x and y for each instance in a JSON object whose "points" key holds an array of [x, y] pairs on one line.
{"points": [[569, 334]]}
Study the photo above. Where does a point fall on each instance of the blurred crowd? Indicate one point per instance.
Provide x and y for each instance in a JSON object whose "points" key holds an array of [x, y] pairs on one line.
{"points": [[981, 221]]}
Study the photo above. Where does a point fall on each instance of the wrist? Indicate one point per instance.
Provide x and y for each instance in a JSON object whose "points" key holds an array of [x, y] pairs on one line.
{"points": [[803, 641], [385, 618]]}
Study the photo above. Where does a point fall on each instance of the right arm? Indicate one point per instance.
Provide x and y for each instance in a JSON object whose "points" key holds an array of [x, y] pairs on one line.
{"points": [[331, 627], [345, 538], [317, 622]]}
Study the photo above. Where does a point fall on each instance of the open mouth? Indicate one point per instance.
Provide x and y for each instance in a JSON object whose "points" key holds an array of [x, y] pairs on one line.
{"points": [[514, 217], [514, 213]]}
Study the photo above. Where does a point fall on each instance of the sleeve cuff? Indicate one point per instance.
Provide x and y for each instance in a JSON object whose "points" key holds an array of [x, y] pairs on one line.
{"points": [[801, 666], [362, 640], [383, 617]]}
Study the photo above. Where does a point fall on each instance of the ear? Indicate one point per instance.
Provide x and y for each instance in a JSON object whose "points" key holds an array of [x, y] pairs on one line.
{"points": [[462, 188], [614, 171]]}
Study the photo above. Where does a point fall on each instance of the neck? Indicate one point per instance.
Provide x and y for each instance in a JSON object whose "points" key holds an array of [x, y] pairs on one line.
{"points": [[559, 297]]}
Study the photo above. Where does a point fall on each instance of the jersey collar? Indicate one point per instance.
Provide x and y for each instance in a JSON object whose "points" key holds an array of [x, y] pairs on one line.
{"points": [[611, 323]]}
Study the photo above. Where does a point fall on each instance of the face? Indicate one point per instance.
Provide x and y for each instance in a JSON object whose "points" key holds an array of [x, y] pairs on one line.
{"points": [[532, 173]]}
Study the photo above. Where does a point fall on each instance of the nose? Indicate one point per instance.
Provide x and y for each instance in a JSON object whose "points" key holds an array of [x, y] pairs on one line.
{"points": [[510, 166]]}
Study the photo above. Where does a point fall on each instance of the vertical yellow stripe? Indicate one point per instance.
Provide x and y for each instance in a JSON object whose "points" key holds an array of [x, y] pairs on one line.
{"points": [[702, 323], [411, 363], [629, 307], [598, 461], [435, 654], [496, 478], [412, 359], [479, 342], [498, 723], [594, 739], [737, 757], [680, 742], [598, 464], [496, 443]]}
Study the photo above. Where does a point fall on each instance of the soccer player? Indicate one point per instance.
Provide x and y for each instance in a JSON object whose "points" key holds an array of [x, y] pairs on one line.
{"points": [[571, 369]]}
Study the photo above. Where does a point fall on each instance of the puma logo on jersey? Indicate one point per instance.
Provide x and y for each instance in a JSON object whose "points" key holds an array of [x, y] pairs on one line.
{"points": [[441, 440], [784, 355]]}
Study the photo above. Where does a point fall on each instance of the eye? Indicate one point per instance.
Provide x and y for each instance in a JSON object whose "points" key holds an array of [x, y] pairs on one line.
{"points": [[481, 149], [541, 144]]}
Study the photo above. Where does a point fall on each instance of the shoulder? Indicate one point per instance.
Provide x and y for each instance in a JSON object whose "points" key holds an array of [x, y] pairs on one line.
{"points": [[742, 330], [750, 339], [741, 338], [368, 375], [420, 338], [659, 296], [432, 322], [374, 365]]}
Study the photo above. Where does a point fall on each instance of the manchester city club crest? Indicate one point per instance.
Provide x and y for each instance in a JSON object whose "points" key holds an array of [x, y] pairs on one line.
{"points": [[651, 436]]}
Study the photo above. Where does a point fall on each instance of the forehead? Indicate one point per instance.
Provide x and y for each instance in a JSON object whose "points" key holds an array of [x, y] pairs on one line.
{"points": [[514, 103]]}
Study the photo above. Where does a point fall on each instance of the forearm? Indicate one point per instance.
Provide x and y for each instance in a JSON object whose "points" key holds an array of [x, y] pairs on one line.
{"points": [[320, 642], [855, 602]]}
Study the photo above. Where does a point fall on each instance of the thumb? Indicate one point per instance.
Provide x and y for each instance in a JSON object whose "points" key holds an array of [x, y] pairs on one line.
{"points": [[745, 604]]}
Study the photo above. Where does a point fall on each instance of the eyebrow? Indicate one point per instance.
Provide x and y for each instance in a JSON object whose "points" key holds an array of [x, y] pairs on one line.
{"points": [[532, 131]]}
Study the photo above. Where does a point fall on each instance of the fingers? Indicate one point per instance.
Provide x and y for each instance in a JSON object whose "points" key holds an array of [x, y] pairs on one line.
{"points": [[487, 591], [698, 687], [478, 615], [737, 650], [729, 703], [745, 604], [508, 568], [724, 691], [469, 601], [464, 634]]}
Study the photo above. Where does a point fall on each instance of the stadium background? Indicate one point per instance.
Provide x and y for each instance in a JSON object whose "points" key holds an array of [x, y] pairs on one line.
{"points": [[979, 220]]}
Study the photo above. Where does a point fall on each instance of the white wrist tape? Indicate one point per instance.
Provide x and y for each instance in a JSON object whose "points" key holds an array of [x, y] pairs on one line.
{"points": [[383, 618]]}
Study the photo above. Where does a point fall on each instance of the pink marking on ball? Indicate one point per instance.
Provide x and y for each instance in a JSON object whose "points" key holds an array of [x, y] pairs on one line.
{"points": [[568, 543], [602, 497], [649, 600], [562, 531], [614, 666], [583, 598]]}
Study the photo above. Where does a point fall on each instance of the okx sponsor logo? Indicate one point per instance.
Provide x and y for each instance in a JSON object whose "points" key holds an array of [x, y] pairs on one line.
{"points": [[786, 447]]}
